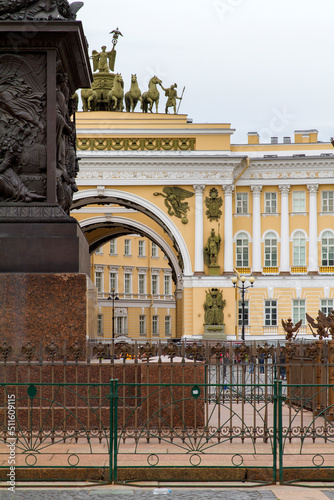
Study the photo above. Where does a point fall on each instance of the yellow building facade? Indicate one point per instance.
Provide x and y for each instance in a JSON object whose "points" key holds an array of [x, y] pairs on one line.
{"points": [[276, 221]]}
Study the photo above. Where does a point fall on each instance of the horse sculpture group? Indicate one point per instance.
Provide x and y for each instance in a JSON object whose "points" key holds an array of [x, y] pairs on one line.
{"points": [[112, 100]]}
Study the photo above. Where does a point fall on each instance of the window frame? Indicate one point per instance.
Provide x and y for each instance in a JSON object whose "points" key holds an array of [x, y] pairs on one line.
{"points": [[270, 307], [241, 203], [325, 206], [296, 202], [242, 251], [273, 250], [299, 311], [155, 279], [127, 279], [141, 248], [298, 256], [271, 198], [113, 251], [327, 249], [127, 247], [155, 323]]}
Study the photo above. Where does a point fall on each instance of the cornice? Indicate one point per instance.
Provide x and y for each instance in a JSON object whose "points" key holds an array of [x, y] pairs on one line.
{"points": [[156, 132]]}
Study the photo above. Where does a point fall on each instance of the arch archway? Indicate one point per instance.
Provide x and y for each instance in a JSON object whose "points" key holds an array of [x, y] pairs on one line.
{"points": [[119, 226], [130, 200]]}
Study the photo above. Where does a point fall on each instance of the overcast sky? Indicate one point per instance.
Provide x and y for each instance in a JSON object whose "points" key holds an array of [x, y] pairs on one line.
{"points": [[261, 65]]}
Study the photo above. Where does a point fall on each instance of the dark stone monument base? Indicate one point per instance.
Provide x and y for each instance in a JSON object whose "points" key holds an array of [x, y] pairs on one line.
{"points": [[45, 307], [40, 238]]}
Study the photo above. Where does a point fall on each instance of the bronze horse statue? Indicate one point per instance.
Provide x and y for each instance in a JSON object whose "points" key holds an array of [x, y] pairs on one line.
{"points": [[151, 96], [133, 95], [116, 94]]}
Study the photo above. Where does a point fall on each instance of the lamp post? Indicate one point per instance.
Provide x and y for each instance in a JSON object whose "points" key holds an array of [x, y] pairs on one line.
{"points": [[113, 296], [243, 288]]}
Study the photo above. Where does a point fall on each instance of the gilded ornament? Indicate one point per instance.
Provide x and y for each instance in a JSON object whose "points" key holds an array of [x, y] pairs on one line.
{"points": [[213, 203], [173, 201]]}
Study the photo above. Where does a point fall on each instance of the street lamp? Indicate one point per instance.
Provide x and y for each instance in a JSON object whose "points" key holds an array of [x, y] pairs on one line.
{"points": [[113, 296], [243, 288]]}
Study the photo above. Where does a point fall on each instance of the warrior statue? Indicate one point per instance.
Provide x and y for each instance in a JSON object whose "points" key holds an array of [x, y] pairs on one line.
{"points": [[171, 93], [212, 248]]}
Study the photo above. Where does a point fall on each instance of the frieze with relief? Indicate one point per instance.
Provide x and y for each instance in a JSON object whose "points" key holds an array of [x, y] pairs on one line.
{"points": [[136, 144]]}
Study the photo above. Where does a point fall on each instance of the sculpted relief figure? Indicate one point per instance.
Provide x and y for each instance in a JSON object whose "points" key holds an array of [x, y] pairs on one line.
{"points": [[20, 10], [67, 166], [22, 128], [173, 201]]}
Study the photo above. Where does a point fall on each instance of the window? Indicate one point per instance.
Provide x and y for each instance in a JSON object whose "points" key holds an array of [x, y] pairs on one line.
{"points": [[242, 250], [327, 201], [242, 203], [141, 284], [113, 281], [270, 203], [121, 325], [154, 250], [155, 284], [99, 281], [99, 251], [142, 325], [168, 326], [100, 325], [327, 249], [270, 312], [246, 313], [299, 249], [299, 310], [167, 283], [127, 247], [141, 248], [155, 325], [113, 247], [127, 283], [298, 201], [326, 306], [270, 250]]}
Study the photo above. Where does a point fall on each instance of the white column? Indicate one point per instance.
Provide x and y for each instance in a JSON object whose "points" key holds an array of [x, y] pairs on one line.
{"points": [[228, 230], [313, 228], [285, 246], [199, 224], [256, 190]]}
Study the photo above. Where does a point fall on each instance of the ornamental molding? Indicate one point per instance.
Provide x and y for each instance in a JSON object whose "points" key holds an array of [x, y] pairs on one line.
{"points": [[262, 282]]}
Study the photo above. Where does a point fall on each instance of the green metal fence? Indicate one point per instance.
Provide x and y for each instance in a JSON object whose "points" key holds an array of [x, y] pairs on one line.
{"points": [[264, 432]]}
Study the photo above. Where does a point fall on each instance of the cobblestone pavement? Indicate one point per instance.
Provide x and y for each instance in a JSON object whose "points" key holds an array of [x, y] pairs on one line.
{"points": [[131, 494]]}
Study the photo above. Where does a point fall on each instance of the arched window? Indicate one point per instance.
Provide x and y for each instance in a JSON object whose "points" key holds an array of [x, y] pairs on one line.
{"points": [[270, 250], [242, 252], [299, 249], [327, 249]]}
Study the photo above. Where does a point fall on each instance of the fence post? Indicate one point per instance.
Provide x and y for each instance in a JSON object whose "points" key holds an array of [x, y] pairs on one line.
{"points": [[280, 431], [111, 431], [115, 427], [275, 433]]}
